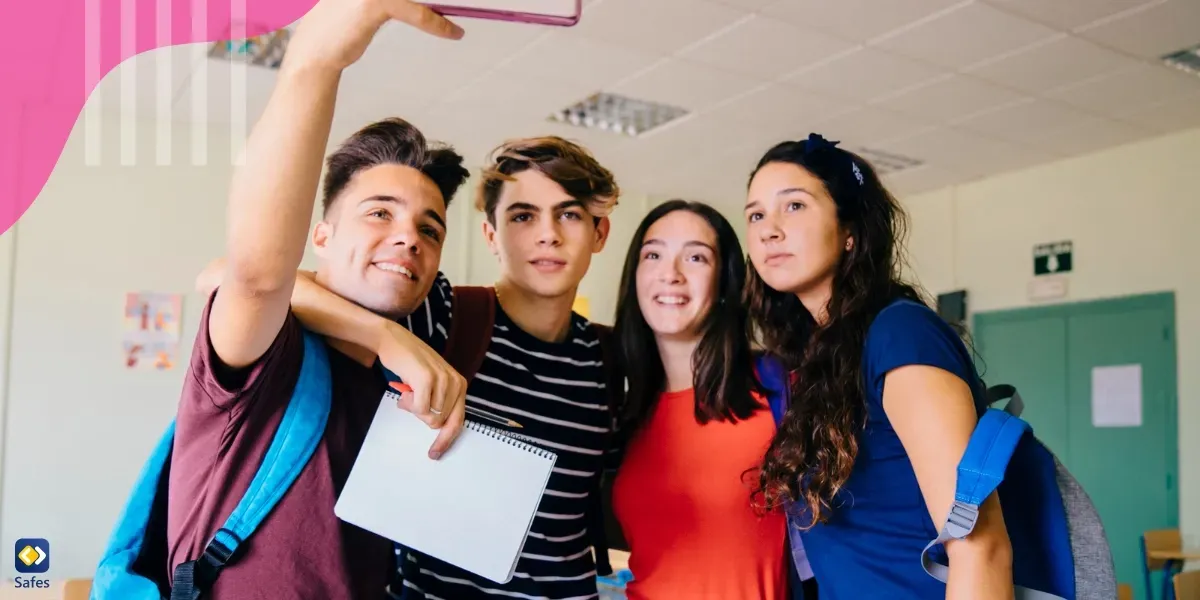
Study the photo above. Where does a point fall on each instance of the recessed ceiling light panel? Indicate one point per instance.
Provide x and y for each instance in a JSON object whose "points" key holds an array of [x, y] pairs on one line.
{"points": [[618, 114]]}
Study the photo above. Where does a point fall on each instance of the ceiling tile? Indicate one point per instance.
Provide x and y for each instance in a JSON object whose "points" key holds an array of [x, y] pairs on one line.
{"points": [[765, 47], [1068, 14], [949, 99], [1025, 121], [867, 126], [578, 59], [1159, 29], [702, 139], [747, 4], [863, 75], [924, 178], [689, 85], [1170, 116], [399, 88], [778, 106], [661, 26], [857, 20], [510, 94], [965, 36], [483, 42], [1061, 62], [1094, 134], [964, 152], [1128, 89]]}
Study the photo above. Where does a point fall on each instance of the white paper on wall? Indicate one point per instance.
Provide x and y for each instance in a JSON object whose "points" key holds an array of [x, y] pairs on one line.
{"points": [[1117, 396]]}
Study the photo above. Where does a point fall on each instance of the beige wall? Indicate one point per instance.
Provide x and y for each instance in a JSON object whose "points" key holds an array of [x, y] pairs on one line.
{"points": [[1133, 214]]}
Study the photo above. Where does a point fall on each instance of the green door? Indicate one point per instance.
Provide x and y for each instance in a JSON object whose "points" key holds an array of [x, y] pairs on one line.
{"points": [[1052, 355]]}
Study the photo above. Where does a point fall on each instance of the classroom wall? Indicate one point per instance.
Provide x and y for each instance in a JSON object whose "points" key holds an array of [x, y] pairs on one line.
{"points": [[1132, 213], [77, 425]]}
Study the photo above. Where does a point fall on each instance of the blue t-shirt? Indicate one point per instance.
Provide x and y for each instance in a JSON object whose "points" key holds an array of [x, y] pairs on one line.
{"points": [[871, 546]]}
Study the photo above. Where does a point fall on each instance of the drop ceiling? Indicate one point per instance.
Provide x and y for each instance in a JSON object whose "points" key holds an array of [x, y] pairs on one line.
{"points": [[968, 88]]}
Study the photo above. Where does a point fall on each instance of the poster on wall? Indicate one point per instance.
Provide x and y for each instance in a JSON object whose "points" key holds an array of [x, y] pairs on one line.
{"points": [[151, 331], [1117, 396]]}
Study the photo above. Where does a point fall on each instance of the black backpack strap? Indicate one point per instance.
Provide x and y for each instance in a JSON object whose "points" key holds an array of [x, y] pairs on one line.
{"points": [[602, 527]]}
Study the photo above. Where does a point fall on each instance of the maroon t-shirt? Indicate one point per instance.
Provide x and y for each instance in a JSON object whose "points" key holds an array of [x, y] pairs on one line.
{"points": [[224, 425]]}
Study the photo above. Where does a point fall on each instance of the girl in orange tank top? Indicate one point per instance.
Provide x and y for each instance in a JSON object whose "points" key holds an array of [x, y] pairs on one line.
{"points": [[694, 429]]}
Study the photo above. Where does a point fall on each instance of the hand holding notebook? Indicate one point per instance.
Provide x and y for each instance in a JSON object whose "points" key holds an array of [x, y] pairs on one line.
{"points": [[490, 482]]}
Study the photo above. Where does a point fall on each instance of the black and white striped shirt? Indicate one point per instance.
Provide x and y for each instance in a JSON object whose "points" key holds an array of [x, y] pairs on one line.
{"points": [[556, 391]]}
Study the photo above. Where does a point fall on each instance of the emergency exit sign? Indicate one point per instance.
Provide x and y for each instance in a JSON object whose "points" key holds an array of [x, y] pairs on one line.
{"points": [[1051, 259]]}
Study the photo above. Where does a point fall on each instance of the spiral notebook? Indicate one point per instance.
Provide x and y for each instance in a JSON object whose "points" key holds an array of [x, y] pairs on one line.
{"points": [[472, 508]]}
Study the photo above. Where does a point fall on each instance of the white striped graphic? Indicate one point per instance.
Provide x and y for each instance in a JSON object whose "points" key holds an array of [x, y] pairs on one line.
{"points": [[91, 78], [199, 84], [163, 92], [128, 69], [238, 73]]}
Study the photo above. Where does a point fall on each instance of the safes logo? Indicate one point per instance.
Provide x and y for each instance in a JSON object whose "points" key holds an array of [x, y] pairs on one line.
{"points": [[33, 555]]}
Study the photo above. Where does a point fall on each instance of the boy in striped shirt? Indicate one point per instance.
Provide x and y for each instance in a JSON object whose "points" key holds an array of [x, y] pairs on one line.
{"points": [[546, 203]]}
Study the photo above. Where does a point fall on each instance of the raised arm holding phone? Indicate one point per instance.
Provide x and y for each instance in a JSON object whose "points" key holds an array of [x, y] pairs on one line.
{"points": [[379, 245]]}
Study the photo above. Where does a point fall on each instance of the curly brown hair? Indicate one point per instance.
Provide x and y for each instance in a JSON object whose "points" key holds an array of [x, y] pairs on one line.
{"points": [[813, 452], [566, 163]]}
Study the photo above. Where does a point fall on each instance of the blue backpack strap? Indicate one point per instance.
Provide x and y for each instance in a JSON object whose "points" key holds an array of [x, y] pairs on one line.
{"points": [[117, 575], [980, 472], [770, 373], [299, 433]]}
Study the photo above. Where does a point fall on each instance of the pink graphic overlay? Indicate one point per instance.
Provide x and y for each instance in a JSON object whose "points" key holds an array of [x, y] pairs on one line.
{"points": [[53, 54]]}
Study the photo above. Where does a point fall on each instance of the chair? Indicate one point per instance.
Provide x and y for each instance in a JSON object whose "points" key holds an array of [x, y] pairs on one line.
{"points": [[1158, 540], [1187, 585], [77, 589], [1124, 591]]}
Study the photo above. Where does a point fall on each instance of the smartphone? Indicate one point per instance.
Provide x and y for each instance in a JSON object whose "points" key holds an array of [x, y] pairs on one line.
{"points": [[562, 13]]}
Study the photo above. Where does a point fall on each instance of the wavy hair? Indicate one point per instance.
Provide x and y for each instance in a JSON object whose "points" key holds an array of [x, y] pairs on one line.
{"points": [[813, 452], [722, 364]]}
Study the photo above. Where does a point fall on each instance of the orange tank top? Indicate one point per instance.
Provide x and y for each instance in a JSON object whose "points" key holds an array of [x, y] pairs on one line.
{"points": [[682, 497]]}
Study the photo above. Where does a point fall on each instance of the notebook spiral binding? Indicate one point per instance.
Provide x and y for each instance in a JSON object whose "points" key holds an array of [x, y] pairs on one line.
{"points": [[507, 438]]}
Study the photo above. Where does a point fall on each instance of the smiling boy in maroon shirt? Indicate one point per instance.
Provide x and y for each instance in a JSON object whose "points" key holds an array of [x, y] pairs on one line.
{"points": [[379, 245]]}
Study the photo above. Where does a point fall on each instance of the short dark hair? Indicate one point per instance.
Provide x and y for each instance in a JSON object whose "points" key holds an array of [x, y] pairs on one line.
{"points": [[392, 141], [722, 364], [566, 163]]}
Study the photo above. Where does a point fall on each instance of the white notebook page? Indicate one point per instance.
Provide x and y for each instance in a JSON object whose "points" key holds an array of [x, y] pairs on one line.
{"points": [[472, 508]]}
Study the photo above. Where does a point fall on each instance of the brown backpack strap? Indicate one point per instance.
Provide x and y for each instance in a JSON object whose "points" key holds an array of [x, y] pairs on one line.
{"points": [[472, 316]]}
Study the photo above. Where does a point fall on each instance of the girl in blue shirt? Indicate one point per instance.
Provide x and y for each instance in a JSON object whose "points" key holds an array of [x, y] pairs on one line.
{"points": [[883, 390]]}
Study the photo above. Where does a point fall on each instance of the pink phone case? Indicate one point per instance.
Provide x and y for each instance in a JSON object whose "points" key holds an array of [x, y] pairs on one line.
{"points": [[504, 15]]}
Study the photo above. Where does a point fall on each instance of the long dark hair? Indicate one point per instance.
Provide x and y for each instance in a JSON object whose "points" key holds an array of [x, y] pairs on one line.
{"points": [[722, 364], [814, 449]]}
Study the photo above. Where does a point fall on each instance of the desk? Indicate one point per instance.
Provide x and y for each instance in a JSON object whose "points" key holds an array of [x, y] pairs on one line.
{"points": [[1172, 560]]}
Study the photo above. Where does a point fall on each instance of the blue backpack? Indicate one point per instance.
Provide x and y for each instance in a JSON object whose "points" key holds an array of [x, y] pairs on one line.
{"points": [[132, 564], [1060, 551]]}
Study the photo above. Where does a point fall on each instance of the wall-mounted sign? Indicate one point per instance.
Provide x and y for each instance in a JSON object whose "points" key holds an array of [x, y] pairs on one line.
{"points": [[1051, 259]]}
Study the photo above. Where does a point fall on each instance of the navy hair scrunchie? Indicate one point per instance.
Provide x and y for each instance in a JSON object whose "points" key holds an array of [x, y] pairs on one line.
{"points": [[816, 144]]}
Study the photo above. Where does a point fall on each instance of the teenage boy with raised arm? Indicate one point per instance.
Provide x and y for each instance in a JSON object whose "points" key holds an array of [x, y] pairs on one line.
{"points": [[546, 202], [379, 245]]}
